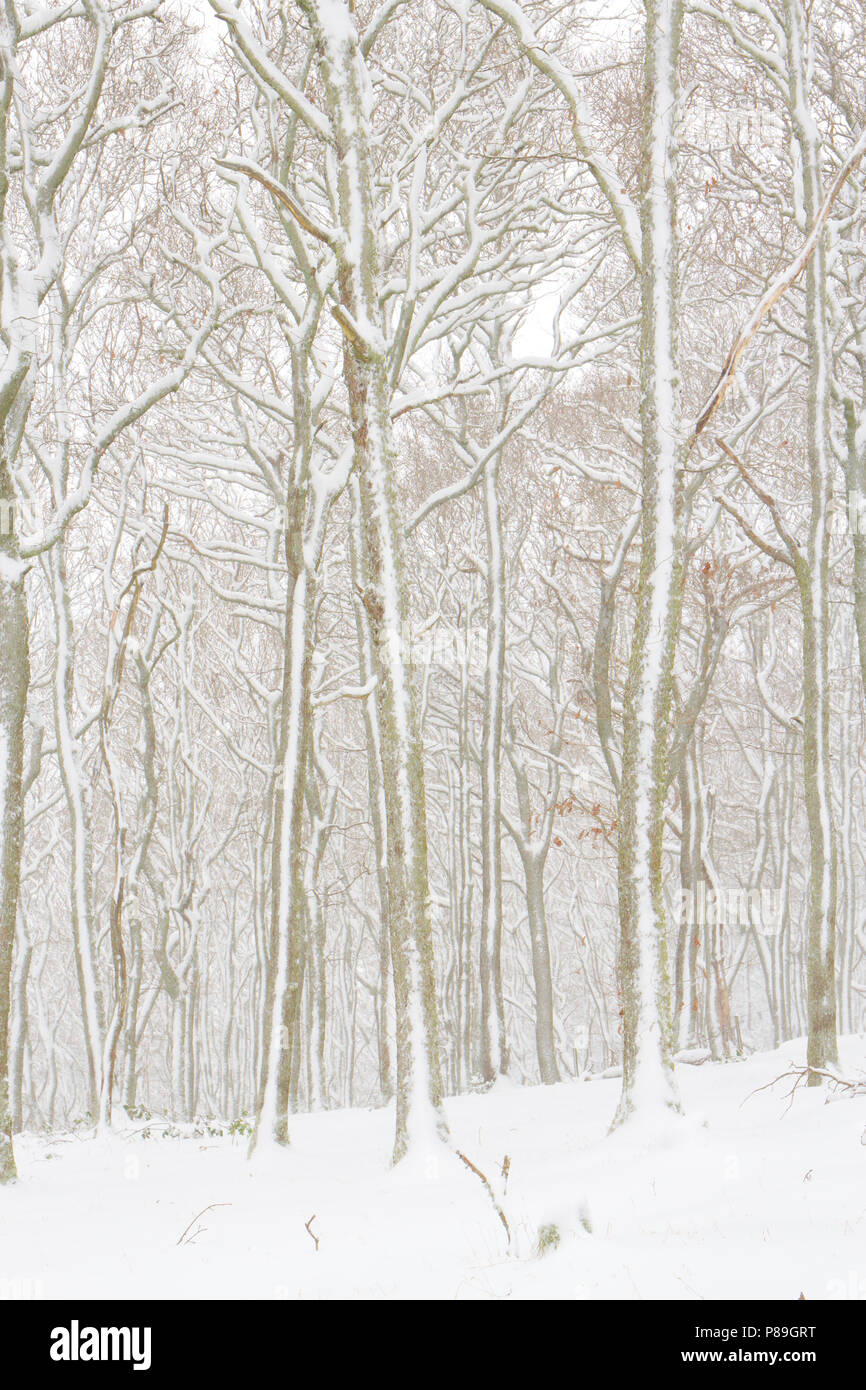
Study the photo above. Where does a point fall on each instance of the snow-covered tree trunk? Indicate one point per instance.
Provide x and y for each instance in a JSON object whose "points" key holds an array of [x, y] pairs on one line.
{"points": [[375, 789], [494, 1042], [281, 1000], [14, 677], [321, 814], [686, 971], [812, 571], [366, 372], [855, 478], [648, 1081], [69, 759]]}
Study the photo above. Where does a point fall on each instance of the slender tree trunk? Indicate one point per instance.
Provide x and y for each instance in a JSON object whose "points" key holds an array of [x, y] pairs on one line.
{"points": [[14, 679], [69, 758], [533, 868], [376, 791], [18, 1021], [686, 981], [648, 1081], [813, 577], [855, 474], [283, 984], [494, 1041]]}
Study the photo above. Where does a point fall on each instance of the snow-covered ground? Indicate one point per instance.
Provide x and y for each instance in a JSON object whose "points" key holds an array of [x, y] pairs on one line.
{"points": [[756, 1196]]}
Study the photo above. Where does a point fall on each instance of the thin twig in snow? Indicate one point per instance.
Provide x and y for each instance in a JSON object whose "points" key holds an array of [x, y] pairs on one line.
{"points": [[491, 1194], [212, 1206]]}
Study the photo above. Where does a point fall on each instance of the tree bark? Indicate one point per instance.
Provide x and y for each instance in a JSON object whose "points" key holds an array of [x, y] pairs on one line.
{"points": [[648, 1081]]}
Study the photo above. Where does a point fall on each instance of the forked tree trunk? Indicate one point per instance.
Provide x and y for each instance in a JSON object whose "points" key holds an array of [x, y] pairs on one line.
{"points": [[366, 373]]}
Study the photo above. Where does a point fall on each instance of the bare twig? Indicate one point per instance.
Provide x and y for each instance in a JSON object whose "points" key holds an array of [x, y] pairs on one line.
{"points": [[212, 1207], [310, 1233], [505, 1170], [491, 1194], [802, 1074], [768, 501]]}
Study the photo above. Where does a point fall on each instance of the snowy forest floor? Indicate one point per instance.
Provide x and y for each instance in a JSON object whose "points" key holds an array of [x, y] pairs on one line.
{"points": [[758, 1196]]}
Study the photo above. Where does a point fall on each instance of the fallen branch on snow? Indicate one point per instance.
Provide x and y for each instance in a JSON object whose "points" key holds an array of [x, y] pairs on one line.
{"points": [[801, 1074], [491, 1194]]}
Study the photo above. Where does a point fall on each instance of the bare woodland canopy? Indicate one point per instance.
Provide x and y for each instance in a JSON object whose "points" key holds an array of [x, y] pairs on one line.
{"points": [[432, 549]]}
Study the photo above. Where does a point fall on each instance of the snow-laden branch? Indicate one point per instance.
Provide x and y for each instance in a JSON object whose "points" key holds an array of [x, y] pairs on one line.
{"points": [[602, 168], [776, 290]]}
